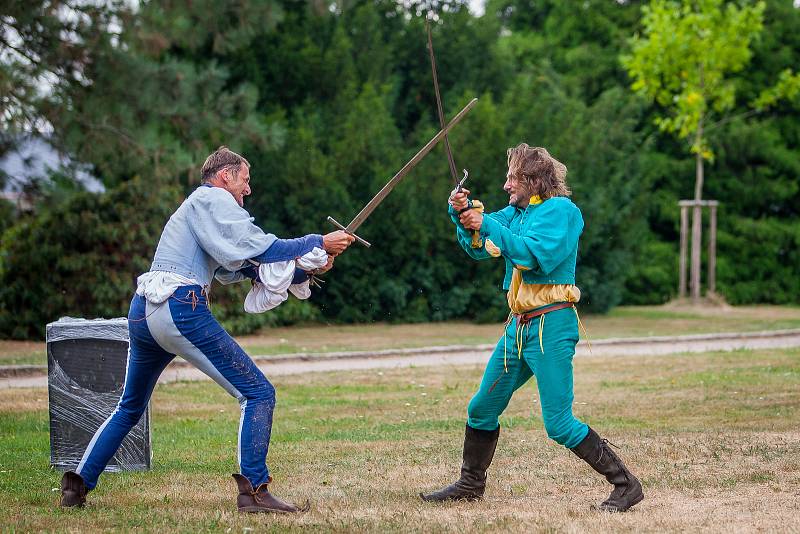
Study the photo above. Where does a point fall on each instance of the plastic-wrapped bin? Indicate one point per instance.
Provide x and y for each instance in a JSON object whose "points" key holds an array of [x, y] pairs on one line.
{"points": [[86, 365]]}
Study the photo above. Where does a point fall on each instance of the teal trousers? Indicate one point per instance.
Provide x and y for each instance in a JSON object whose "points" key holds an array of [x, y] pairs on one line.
{"points": [[547, 357]]}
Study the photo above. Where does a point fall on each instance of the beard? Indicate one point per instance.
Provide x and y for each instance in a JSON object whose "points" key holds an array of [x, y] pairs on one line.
{"points": [[520, 198], [517, 199]]}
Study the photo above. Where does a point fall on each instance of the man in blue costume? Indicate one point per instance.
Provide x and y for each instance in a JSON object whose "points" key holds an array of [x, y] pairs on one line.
{"points": [[209, 235], [537, 236]]}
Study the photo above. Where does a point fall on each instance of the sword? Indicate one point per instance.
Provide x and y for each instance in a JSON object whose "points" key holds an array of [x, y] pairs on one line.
{"points": [[451, 162], [365, 212]]}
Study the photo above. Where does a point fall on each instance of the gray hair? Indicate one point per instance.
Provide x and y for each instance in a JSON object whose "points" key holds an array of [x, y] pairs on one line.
{"points": [[220, 159]]}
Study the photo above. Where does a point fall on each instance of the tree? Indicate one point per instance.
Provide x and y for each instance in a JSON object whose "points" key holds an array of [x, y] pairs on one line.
{"points": [[684, 62], [326, 99], [133, 91], [80, 257], [44, 47]]}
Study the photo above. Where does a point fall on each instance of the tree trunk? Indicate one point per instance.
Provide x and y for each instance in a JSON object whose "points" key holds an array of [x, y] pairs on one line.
{"points": [[697, 221], [711, 281], [683, 251]]}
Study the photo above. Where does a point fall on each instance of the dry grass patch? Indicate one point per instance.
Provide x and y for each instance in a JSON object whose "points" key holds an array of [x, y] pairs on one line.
{"points": [[23, 400], [624, 321], [713, 437], [22, 352]]}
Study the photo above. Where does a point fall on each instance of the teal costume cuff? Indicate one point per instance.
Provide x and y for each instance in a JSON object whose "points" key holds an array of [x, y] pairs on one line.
{"points": [[489, 227], [459, 227]]}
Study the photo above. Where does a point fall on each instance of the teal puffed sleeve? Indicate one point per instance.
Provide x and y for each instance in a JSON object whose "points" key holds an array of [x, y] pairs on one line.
{"points": [[464, 236], [545, 242]]}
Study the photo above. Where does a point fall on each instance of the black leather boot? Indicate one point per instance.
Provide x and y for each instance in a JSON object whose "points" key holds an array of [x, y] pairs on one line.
{"points": [[479, 446], [627, 488], [73, 490]]}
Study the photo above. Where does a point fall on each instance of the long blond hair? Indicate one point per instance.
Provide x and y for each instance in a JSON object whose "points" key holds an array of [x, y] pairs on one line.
{"points": [[545, 175]]}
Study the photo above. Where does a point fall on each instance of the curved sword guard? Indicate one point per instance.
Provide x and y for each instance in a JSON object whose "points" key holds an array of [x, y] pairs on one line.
{"points": [[460, 184], [341, 227]]}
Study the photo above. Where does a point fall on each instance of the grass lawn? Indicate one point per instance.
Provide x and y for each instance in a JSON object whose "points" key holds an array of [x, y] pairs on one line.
{"points": [[715, 439], [625, 321]]}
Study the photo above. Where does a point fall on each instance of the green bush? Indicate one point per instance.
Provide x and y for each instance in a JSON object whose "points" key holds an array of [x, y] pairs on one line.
{"points": [[758, 261], [653, 276], [7, 212], [80, 257]]}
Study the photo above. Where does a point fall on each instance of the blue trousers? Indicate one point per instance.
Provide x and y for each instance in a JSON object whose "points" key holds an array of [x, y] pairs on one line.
{"points": [[183, 325], [522, 353]]}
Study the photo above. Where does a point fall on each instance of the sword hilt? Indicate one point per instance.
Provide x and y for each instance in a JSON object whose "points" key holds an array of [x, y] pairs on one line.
{"points": [[340, 226], [460, 187], [460, 184]]}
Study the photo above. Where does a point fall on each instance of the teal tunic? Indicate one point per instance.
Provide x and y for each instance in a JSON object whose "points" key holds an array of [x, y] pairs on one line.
{"points": [[543, 239]]}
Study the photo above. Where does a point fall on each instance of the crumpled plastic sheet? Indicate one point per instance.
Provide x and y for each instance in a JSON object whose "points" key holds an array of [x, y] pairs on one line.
{"points": [[76, 412], [76, 328]]}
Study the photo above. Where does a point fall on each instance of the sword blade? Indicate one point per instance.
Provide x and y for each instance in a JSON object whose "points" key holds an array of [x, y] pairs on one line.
{"points": [[384, 192], [439, 108]]}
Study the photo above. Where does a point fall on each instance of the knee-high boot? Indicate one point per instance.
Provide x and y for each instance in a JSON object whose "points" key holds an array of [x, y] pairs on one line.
{"points": [[627, 488], [479, 447]]}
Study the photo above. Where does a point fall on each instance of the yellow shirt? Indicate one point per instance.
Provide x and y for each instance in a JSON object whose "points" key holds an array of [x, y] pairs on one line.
{"points": [[524, 297]]}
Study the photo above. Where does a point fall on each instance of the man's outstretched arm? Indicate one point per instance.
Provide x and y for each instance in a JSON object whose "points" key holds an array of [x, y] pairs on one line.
{"points": [[460, 201], [549, 240], [289, 249]]}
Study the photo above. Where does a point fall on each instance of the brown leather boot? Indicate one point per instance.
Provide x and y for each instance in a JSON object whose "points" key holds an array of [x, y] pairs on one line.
{"points": [[627, 488], [260, 500], [479, 447], [73, 490]]}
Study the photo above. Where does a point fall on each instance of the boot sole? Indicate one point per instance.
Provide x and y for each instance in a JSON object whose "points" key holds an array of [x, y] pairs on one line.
{"points": [[260, 510], [72, 499], [639, 498], [451, 499]]}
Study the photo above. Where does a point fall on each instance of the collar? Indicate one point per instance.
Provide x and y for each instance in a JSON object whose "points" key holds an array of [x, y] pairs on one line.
{"points": [[534, 201]]}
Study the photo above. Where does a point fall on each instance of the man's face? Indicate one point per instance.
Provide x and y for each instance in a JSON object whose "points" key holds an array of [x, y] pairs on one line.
{"points": [[519, 193], [238, 185]]}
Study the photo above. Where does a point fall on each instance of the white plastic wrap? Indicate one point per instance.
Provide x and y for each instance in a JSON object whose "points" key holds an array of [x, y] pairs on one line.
{"points": [[76, 328], [87, 361]]}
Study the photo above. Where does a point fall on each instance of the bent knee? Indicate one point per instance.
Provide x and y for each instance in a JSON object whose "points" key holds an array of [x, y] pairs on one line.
{"points": [[565, 431], [264, 392], [481, 415], [129, 415], [476, 409]]}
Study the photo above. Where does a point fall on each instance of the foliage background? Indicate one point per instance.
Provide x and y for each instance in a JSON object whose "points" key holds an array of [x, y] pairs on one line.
{"points": [[327, 100]]}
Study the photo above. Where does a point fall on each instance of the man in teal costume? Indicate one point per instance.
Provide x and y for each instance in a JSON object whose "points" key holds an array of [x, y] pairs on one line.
{"points": [[537, 236]]}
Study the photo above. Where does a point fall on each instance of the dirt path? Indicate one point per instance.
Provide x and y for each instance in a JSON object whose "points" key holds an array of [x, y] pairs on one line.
{"points": [[474, 355]]}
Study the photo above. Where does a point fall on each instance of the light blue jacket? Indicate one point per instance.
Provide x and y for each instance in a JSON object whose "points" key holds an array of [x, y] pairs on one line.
{"points": [[542, 239], [208, 235]]}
